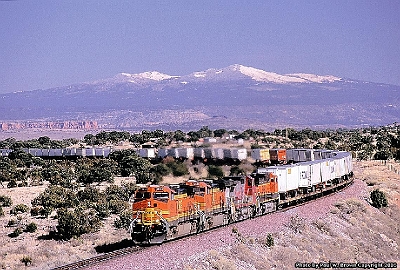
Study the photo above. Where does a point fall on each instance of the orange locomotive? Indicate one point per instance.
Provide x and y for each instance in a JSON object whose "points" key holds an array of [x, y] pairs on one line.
{"points": [[166, 212]]}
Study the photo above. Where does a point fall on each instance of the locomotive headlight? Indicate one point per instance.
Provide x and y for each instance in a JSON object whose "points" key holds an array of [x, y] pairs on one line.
{"points": [[138, 220], [157, 220]]}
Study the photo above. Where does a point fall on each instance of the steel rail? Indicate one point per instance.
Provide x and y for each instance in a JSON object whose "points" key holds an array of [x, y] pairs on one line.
{"points": [[99, 258]]}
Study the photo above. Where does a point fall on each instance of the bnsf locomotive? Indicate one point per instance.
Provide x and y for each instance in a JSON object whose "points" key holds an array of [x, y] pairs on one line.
{"points": [[164, 212]]}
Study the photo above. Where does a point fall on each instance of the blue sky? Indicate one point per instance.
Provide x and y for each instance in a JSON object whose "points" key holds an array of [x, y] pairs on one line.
{"points": [[47, 43]]}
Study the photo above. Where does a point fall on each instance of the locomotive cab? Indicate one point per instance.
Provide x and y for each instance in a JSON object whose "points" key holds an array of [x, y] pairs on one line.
{"points": [[150, 210], [267, 184]]}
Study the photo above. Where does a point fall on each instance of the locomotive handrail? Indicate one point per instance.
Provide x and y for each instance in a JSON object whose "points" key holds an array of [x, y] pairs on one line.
{"points": [[164, 220], [133, 221]]}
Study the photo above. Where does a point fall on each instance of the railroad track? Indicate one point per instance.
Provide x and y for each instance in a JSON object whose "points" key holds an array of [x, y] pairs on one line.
{"points": [[100, 258], [326, 193], [289, 204]]}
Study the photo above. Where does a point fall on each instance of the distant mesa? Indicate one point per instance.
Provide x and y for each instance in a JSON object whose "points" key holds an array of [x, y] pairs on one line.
{"points": [[61, 125]]}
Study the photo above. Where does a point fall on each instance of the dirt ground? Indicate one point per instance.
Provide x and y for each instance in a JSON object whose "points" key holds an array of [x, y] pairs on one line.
{"points": [[47, 253], [382, 175]]}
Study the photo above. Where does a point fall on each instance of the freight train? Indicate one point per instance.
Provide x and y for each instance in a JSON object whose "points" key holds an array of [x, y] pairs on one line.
{"points": [[261, 156], [99, 152], [165, 212]]}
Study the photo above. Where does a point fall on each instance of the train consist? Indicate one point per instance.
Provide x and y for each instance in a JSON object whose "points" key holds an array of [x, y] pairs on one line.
{"points": [[100, 152], [165, 212], [144, 152], [262, 156]]}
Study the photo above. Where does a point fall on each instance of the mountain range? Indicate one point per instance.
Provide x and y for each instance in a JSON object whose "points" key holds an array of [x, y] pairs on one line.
{"points": [[235, 97]]}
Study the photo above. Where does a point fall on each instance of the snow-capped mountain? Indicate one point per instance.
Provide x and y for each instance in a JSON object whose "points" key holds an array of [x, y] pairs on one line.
{"points": [[243, 72], [145, 76], [239, 93], [233, 72]]}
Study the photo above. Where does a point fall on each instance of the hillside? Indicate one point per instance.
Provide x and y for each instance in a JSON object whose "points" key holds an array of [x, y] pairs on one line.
{"points": [[343, 222], [346, 230]]}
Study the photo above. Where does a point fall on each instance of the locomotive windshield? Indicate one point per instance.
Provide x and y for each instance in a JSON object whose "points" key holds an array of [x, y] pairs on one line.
{"points": [[261, 178], [139, 196], [161, 195]]}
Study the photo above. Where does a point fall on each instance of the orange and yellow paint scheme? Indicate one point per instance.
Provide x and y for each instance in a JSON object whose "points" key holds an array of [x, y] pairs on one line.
{"points": [[165, 212]]}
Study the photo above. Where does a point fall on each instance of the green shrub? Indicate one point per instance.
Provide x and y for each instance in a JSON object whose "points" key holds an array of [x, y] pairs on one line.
{"points": [[102, 209], [31, 227], [5, 201], [269, 241], [235, 170], [55, 197], [27, 260], [124, 220], [115, 192], [215, 171], [90, 196], [16, 232], [159, 171], [19, 208], [35, 211], [378, 199], [23, 184], [12, 184], [234, 230], [178, 168], [118, 206], [77, 222], [45, 211], [12, 222], [130, 189]]}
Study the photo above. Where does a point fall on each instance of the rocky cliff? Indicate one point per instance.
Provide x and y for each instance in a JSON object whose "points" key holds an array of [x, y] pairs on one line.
{"points": [[61, 125]]}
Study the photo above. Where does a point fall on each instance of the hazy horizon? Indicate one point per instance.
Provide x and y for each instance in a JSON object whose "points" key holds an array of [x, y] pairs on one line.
{"points": [[47, 44]]}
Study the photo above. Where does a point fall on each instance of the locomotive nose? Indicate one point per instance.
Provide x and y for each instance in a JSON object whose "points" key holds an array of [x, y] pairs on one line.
{"points": [[150, 216]]}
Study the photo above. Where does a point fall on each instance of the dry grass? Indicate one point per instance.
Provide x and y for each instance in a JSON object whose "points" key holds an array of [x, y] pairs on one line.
{"points": [[368, 239], [296, 224], [46, 253], [220, 261]]}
